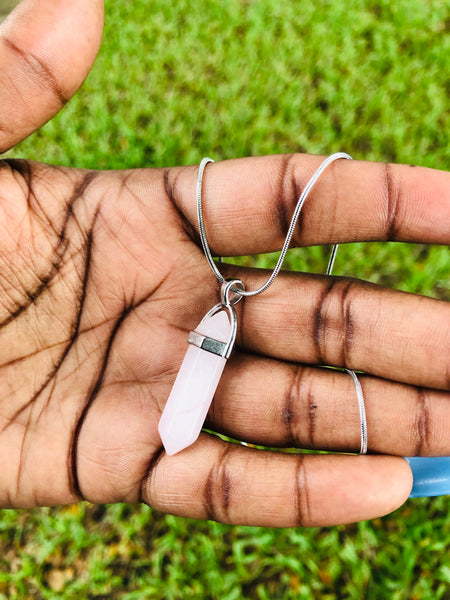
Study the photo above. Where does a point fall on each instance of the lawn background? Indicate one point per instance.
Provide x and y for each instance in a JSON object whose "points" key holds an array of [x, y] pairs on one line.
{"points": [[176, 80]]}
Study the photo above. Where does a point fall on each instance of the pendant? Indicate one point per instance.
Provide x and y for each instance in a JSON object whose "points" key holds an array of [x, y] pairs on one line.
{"points": [[210, 345]]}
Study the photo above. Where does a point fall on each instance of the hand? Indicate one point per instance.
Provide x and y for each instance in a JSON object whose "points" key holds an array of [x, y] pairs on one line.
{"points": [[101, 279]]}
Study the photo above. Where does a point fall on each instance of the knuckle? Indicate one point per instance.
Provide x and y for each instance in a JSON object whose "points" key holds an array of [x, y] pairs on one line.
{"points": [[287, 192], [334, 324], [171, 190], [217, 494], [38, 70], [392, 202], [146, 482], [299, 409], [422, 424], [302, 503]]}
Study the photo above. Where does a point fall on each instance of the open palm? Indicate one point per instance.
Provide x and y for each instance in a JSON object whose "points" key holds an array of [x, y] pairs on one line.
{"points": [[102, 277]]}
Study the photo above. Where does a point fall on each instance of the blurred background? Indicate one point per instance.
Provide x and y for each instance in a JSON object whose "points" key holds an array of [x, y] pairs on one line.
{"points": [[6, 6], [176, 80]]}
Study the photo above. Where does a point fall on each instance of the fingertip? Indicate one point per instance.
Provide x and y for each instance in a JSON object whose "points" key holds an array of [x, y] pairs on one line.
{"points": [[362, 488], [397, 482], [390, 485]]}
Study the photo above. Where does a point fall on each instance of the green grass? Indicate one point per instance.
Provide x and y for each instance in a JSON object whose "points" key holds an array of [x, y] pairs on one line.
{"points": [[132, 552], [179, 79]]}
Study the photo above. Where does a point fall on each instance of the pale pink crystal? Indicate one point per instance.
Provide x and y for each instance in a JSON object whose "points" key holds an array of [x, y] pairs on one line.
{"points": [[194, 388]]}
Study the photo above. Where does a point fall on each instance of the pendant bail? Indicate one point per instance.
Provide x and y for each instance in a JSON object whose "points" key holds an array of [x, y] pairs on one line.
{"points": [[211, 344]]}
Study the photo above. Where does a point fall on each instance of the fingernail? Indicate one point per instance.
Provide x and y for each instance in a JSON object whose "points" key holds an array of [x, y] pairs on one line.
{"points": [[431, 476]]}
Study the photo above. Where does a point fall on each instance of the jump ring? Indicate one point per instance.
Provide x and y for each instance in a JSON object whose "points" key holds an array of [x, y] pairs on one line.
{"points": [[232, 285]]}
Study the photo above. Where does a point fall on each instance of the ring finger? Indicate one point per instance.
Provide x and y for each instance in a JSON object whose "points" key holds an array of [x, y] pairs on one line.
{"points": [[273, 403]]}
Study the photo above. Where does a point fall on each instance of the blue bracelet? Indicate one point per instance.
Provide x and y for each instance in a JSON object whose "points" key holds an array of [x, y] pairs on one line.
{"points": [[431, 476]]}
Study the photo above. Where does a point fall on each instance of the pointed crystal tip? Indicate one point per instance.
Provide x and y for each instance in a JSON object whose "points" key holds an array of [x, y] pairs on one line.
{"points": [[194, 388]]}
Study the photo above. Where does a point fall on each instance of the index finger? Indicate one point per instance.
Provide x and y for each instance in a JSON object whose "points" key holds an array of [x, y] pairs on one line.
{"points": [[248, 203]]}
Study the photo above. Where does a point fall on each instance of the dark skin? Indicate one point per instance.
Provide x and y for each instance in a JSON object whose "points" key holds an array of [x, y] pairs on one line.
{"points": [[102, 276]]}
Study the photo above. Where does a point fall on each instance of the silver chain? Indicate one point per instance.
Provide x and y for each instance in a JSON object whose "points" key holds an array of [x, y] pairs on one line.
{"points": [[290, 233], [241, 292]]}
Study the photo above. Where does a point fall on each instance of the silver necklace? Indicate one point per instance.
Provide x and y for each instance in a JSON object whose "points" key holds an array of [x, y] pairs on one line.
{"points": [[212, 341]]}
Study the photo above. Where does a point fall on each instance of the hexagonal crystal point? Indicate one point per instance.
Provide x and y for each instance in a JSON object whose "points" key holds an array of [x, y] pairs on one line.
{"points": [[194, 388]]}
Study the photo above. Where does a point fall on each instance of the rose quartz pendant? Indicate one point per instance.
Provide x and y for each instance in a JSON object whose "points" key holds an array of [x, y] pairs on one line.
{"points": [[210, 344]]}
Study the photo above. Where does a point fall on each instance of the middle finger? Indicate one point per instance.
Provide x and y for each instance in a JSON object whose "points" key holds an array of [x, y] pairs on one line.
{"points": [[349, 323]]}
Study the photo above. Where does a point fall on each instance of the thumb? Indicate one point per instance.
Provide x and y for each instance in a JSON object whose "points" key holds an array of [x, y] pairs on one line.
{"points": [[47, 48]]}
